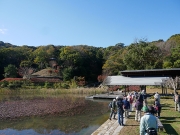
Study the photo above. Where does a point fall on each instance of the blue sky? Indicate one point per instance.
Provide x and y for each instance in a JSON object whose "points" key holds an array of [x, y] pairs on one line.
{"points": [[98, 23]]}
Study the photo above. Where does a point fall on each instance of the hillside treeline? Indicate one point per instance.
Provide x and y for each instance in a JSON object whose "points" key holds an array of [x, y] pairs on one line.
{"points": [[88, 61]]}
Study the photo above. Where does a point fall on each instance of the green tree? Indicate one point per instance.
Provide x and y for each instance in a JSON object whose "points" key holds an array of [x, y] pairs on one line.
{"points": [[167, 64], [114, 64], [70, 56], [175, 56], [42, 55], [10, 71], [67, 73], [84, 61], [14, 55], [143, 55]]}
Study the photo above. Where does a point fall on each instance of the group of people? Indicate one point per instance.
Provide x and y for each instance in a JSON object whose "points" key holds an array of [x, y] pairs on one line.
{"points": [[119, 106], [123, 105]]}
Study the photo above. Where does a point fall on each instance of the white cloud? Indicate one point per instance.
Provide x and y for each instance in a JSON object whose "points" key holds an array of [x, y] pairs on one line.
{"points": [[3, 31]]}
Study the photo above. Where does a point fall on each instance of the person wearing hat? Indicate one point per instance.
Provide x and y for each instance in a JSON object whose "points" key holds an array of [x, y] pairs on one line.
{"points": [[113, 109], [148, 122]]}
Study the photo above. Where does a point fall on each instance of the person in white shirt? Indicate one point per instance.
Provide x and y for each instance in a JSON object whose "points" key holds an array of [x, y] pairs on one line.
{"points": [[157, 96]]}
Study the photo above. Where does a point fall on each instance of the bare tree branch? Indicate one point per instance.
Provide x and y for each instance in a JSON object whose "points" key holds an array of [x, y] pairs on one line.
{"points": [[173, 83], [26, 72]]}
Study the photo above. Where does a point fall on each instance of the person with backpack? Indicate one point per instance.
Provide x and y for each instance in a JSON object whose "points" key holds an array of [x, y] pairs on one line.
{"points": [[148, 123], [177, 101], [126, 107], [120, 111], [138, 106], [112, 105]]}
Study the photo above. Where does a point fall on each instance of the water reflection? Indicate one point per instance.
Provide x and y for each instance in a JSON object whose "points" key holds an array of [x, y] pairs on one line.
{"points": [[85, 131], [83, 123]]}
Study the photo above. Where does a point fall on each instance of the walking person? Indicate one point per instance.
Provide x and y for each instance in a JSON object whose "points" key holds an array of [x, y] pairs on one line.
{"points": [[120, 111], [138, 106], [148, 123], [126, 107], [177, 101], [113, 110]]}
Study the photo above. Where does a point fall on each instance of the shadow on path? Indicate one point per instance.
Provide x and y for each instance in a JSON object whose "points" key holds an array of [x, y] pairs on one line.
{"points": [[169, 129]]}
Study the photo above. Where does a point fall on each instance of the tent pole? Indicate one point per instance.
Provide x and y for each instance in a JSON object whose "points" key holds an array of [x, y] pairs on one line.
{"points": [[125, 89]]}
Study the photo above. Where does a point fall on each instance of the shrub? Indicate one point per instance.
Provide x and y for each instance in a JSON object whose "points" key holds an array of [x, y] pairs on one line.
{"points": [[47, 85], [4, 84], [64, 85], [11, 86]]}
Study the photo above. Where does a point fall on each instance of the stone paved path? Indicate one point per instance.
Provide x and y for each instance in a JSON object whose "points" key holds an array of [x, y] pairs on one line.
{"points": [[110, 127]]}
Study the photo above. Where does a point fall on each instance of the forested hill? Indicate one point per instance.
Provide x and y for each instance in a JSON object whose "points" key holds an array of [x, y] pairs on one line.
{"points": [[88, 61]]}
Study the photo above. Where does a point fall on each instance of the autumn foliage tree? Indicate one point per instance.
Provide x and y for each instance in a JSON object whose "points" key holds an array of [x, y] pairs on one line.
{"points": [[101, 78]]}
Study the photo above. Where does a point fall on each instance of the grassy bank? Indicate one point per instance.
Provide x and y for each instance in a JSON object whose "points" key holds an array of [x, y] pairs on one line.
{"points": [[44, 92]]}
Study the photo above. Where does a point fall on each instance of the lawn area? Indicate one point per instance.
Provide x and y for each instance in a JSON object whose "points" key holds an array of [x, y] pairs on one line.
{"points": [[169, 118]]}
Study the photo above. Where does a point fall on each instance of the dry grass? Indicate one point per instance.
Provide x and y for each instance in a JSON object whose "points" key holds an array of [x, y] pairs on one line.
{"points": [[151, 90], [46, 72]]}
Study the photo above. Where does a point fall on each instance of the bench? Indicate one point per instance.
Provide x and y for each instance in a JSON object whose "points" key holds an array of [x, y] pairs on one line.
{"points": [[160, 125]]}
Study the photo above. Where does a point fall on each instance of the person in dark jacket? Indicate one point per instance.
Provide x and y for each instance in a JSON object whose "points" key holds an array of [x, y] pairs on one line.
{"points": [[157, 106], [144, 95], [120, 110], [126, 107], [140, 98], [138, 107]]}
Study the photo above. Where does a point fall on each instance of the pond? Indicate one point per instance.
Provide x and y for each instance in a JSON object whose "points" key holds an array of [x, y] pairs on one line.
{"points": [[82, 120]]}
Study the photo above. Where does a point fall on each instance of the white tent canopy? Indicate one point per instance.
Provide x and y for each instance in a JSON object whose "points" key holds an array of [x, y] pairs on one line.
{"points": [[122, 80]]}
